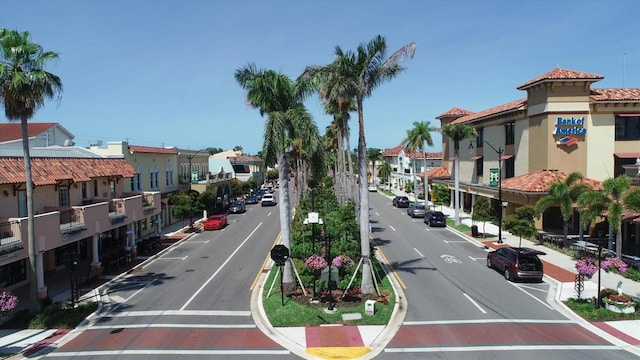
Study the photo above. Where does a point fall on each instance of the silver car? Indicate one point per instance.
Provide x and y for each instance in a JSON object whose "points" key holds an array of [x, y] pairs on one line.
{"points": [[416, 210]]}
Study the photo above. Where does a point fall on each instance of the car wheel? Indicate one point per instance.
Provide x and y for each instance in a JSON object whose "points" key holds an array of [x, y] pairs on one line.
{"points": [[489, 265], [507, 274]]}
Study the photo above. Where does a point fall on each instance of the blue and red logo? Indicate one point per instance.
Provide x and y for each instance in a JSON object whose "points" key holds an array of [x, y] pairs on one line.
{"points": [[567, 141]]}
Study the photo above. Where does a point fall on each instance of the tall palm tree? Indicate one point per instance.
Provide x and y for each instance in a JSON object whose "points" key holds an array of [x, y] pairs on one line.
{"points": [[356, 75], [385, 172], [563, 194], [24, 86], [457, 133], [613, 198], [275, 95], [374, 155], [416, 138], [411, 153]]}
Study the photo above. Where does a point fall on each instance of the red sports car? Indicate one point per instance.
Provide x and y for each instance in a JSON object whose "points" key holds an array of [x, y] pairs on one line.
{"points": [[215, 222]]}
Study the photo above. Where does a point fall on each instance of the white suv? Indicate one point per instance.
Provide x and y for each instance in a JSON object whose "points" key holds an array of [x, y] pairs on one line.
{"points": [[268, 200]]}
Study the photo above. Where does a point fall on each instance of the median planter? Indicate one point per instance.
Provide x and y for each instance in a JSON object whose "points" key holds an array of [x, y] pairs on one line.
{"points": [[621, 304]]}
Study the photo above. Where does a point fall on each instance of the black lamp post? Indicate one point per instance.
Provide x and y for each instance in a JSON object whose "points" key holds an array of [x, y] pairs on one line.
{"points": [[327, 240], [502, 204], [600, 232]]}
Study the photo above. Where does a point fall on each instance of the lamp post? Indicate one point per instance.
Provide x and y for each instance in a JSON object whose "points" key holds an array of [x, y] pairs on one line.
{"points": [[327, 240], [600, 232], [189, 157], [502, 204]]}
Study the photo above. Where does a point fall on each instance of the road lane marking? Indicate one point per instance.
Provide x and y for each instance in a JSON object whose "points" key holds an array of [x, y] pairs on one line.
{"points": [[198, 241], [375, 212], [475, 258], [117, 353], [475, 303], [532, 296], [391, 227], [562, 347], [219, 269], [391, 269], [419, 253], [182, 313], [174, 258], [177, 326], [488, 321], [263, 268]]}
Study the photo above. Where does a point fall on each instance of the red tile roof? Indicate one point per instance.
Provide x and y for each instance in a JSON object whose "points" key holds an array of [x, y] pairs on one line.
{"points": [[517, 105], [561, 74], [152, 150], [454, 112], [620, 94], [430, 155], [394, 151], [47, 171], [440, 172], [540, 181], [12, 131], [415, 155]]}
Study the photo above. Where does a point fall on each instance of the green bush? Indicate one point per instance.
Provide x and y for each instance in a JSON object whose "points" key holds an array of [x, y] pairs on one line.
{"points": [[632, 273]]}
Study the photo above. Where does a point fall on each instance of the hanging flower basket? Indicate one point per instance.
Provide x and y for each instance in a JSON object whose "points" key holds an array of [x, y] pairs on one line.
{"points": [[586, 266], [315, 262]]}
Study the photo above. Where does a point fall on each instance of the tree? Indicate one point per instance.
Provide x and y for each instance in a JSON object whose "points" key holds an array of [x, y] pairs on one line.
{"points": [[416, 138], [24, 87], [457, 133], [613, 198], [374, 155], [521, 223], [384, 172], [237, 148], [563, 194], [276, 96], [440, 194], [357, 74], [482, 211]]}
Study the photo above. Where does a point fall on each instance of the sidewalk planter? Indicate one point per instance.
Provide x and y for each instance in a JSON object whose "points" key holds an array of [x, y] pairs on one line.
{"points": [[620, 307]]}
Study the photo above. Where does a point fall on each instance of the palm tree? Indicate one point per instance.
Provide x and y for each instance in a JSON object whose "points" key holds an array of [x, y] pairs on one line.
{"points": [[416, 139], [24, 86], [353, 77], [385, 172], [374, 155], [275, 95], [563, 194], [457, 133], [613, 198]]}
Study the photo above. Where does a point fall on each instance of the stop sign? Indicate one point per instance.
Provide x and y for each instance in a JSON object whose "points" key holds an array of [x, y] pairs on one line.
{"points": [[279, 254]]}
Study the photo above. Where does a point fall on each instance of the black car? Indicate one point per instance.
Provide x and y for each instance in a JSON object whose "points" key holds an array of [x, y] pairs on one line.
{"points": [[236, 207], [517, 263], [435, 218], [401, 201], [251, 199]]}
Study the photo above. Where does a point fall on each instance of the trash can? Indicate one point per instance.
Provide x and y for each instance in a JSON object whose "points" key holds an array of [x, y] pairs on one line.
{"points": [[474, 231]]}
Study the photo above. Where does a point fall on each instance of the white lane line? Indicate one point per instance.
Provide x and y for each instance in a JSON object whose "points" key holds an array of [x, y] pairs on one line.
{"points": [[176, 326], [419, 253], [219, 269], [488, 321], [475, 303], [496, 348], [475, 258], [198, 241], [174, 258], [375, 212], [391, 227], [116, 353], [182, 313], [533, 297]]}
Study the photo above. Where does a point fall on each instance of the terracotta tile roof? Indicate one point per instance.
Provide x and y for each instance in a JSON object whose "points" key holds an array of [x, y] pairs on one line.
{"points": [[619, 94], [394, 151], [47, 171], [152, 150], [517, 105], [454, 112], [430, 155], [560, 74], [440, 172], [539, 181], [12, 131]]}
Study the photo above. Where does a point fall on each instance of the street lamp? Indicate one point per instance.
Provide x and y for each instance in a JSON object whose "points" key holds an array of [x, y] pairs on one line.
{"points": [[189, 157], [503, 204], [600, 232]]}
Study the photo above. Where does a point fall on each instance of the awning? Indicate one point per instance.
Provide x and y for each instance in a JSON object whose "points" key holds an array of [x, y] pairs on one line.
{"points": [[476, 157], [506, 157], [627, 155]]}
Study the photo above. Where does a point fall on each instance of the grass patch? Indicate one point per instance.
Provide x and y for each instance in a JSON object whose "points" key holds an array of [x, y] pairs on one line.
{"points": [[51, 317], [462, 227], [586, 308], [302, 313]]}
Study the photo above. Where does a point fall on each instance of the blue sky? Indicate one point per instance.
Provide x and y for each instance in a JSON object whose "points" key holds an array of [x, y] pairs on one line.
{"points": [[160, 73]]}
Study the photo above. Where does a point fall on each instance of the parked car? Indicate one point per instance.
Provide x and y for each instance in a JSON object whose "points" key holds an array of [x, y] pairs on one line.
{"points": [[215, 222], [372, 188], [268, 200], [251, 199], [401, 201], [435, 218], [237, 207], [517, 263], [416, 210]]}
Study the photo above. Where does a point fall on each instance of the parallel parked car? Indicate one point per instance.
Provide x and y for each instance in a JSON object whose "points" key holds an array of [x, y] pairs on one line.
{"points": [[416, 210], [215, 222], [435, 218], [401, 201], [517, 263], [251, 199], [237, 207]]}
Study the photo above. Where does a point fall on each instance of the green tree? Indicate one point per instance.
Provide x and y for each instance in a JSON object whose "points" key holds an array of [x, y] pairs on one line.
{"points": [[521, 223], [186, 205], [482, 211], [563, 193], [374, 155], [24, 87], [276, 96], [358, 74], [615, 195], [440, 194], [237, 148], [457, 133], [385, 172], [417, 139]]}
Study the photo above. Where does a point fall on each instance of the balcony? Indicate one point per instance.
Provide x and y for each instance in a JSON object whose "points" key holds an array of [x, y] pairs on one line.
{"points": [[9, 236]]}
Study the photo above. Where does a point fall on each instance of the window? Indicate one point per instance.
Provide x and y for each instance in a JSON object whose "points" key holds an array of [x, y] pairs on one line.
{"points": [[479, 166], [83, 188], [510, 133], [63, 196], [509, 168], [480, 138], [627, 127], [153, 181], [136, 182], [95, 188], [169, 176]]}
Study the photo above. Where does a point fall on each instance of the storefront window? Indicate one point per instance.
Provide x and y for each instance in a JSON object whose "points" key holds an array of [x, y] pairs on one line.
{"points": [[627, 127], [13, 273]]}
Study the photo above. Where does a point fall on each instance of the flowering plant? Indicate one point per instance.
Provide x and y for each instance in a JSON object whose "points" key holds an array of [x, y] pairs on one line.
{"points": [[586, 266], [8, 302], [614, 263], [315, 262], [342, 260]]}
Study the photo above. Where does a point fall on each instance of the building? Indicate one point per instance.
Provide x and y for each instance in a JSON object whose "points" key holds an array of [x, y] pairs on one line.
{"points": [[40, 135], [404, 163], [562, 125]]}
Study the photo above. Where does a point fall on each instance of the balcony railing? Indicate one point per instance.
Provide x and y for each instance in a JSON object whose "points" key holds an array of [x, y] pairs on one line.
{"points": [[9, 231], [72, 221]]}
